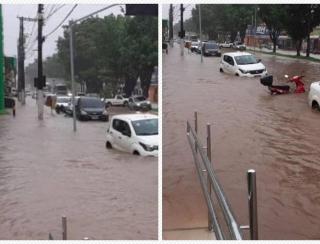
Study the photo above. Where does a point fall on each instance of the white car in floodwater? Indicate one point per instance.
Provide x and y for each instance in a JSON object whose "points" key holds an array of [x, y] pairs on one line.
{"points": [[314, 95], [242, 64], [134, 133]]}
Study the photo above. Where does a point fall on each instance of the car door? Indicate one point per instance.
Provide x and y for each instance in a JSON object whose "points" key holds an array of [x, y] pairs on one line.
{"points": [[123, 135], [230, 65], [118, 100], [116, 133]]}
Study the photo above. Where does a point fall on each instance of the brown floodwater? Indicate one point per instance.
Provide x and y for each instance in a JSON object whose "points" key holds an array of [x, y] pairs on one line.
{"points": [[278, 136], [47, 171]]}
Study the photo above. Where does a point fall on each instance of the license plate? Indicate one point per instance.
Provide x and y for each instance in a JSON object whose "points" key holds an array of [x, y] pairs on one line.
{"points": [[95, 117]]}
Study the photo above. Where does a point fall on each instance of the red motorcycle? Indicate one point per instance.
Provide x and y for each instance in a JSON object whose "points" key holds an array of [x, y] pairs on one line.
{"points": [[283, 89]]}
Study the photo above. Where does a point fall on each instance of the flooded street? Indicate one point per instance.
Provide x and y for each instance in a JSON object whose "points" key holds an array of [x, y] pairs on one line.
{"points": [[278, 136], [47, 170]]}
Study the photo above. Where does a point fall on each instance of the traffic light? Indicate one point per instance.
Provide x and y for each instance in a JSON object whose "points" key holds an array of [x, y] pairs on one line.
{"points": [[142, 9], [182, 34], [40, 83]]}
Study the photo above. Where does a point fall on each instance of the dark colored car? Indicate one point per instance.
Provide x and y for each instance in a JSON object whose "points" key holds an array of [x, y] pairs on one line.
{"points": [[91, 108], [211, 49], [139, 103]]}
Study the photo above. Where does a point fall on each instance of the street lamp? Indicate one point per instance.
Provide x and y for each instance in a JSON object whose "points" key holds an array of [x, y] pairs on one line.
{"points": [[71, 24]]}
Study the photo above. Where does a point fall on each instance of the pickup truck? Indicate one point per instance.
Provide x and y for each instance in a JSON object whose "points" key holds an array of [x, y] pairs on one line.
{"points": [[118, 100]]}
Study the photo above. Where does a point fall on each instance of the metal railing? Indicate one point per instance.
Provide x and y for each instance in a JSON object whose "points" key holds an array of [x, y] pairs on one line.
{"points": [[209, 183]]}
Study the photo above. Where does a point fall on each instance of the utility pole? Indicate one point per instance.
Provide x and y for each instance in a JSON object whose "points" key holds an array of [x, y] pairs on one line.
{"points": [[182, 32], [21, 78], [200, 30], [2, 107], [171, 25], [40, 81]]}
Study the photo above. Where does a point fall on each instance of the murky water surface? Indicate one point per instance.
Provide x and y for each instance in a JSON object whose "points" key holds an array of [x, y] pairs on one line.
{"points": [[47, 171], [278, 136]]}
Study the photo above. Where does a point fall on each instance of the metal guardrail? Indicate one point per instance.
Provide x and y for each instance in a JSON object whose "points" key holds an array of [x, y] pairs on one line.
{"points": [[210, 183]]}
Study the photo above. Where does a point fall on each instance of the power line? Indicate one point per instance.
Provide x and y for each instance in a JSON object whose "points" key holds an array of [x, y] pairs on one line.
{"points": [[46, 36], [54, 11]]}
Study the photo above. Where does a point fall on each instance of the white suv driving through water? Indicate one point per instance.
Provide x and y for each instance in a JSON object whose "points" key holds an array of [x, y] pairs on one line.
{"points": [[314, 95], [242, 64], [134, 133]]}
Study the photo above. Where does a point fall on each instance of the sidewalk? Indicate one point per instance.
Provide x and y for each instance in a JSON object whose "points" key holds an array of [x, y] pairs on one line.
{"points": [[283, 52]]}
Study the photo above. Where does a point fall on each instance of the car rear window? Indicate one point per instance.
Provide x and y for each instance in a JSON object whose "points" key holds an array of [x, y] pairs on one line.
{"points": [[91, 103]]}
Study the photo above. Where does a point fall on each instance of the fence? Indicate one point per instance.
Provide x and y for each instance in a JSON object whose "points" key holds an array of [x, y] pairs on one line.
{"points": [[210, 184]]}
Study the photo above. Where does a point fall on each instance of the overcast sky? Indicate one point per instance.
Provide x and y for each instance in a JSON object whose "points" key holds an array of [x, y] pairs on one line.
{"points": [[176, 11], [11, 25]]}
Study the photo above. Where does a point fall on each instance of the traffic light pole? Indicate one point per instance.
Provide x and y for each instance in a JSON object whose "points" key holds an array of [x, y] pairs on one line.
{"points": [[40, 80], [181, 31], [21, 85]]}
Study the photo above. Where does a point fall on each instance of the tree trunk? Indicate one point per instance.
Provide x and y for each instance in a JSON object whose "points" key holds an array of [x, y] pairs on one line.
{"points": [[298, 47], [308, 46], [129, 85], [145, 78]]}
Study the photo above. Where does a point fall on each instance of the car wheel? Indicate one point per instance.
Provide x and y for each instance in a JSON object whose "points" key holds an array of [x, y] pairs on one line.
{"points": [[136, 153], [125, 104], [221, 70], [108, 145], [237, 74], [315, 106]]}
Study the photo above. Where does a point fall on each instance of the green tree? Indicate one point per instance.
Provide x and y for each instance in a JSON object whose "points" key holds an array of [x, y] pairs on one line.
{"points": [[273, 15]]}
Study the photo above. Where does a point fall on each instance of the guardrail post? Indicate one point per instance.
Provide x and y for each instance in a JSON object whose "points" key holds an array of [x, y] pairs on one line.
{"points": [[252, 200], [210, 227], [196, 127], [64, 228]]}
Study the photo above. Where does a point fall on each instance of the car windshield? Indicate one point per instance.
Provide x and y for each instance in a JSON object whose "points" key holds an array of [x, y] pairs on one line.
{"points": [[212, 46], [145, 127], [63, 99], [91, 103], [245, 59], [139, 99]]}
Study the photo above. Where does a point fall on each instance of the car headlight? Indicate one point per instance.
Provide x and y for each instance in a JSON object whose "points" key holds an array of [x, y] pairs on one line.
{"points": [[105, 112], [83, 112], [138, 104], [148, 148], [243, 71]]}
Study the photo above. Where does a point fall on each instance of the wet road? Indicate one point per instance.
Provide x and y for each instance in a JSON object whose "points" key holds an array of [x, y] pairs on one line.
{"points": [[47, 171], [278, 136]]}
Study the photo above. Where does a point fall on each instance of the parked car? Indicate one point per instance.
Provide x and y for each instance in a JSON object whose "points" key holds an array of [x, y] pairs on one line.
{"points": [[118, 100], [68, 110], [239, 46], [62, 103], [211, 49], [139, 103], [242, 64], [314, 95], [226, 44], [134, 133], [194, 46], [91, 108], [198, 50]]}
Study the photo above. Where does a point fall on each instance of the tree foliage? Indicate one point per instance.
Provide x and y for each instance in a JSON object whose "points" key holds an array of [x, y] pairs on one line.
{"points": [[109, 52]]}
